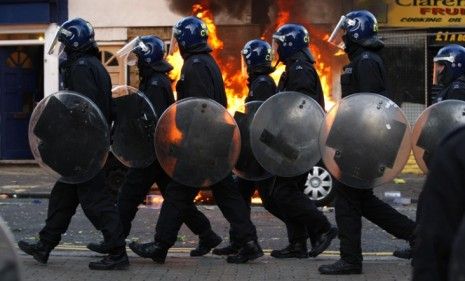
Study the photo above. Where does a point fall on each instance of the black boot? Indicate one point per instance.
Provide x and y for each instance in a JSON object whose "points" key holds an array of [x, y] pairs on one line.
{"points": [[323, 242], [340, 267], [40, 251], [116, 260], [100, 248], [294, 250], [250, 251], [229, 250], [206, 243], [152, 250]]}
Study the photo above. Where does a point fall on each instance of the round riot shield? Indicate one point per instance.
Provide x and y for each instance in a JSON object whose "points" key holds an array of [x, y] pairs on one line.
{"points": [[197, 142], [247, 167], [433, 124], [133, 128], [69, 136], [9, 263], [365, 140], [284, 134]]}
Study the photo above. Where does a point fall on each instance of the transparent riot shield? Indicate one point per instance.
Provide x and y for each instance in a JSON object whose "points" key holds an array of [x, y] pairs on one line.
{"points": [[69, 136], [247, 167], [9, 263], [133, 128], [284, 134], [433, 124], [197, 142], [365, 140]]}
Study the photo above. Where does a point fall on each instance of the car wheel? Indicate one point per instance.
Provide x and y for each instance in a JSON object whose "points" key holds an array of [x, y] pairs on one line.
{"points": [[319, 186]]}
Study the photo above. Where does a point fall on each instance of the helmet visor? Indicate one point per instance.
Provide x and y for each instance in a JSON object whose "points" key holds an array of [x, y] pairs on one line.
{"points": [[56, 47], [244, 69], [438, 69], [339, 31], [274, 49], [127, 52], [174, 47]]}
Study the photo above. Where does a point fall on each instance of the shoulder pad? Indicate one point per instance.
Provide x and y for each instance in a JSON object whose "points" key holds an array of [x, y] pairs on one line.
{"points": [[458, 85]]}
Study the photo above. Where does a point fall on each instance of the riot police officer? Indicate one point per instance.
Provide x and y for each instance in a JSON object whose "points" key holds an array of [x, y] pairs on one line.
{"points": [[442, 208], [256, 59], [356, 33], [303, 220], [200, 77], [153, 69], [83, 73], [449, 75], [449, 72]]}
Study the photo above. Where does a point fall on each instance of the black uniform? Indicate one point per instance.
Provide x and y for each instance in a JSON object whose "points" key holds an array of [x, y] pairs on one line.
{"points": [[442, 210], [302, 218], [156, 86], [201, 77], [457, 259], [455, 91], [364, 73], [84, 73]]}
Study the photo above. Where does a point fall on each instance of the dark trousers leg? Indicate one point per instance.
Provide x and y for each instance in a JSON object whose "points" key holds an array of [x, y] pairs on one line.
{"points": [[298, 208], [178, 207], [267, 189], [386, 217], [97, 205], [348, 208], [234, 209], [136, 186], [61, 208]]}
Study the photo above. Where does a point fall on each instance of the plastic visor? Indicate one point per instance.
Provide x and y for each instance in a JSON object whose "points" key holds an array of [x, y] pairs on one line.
{"points": [[127, 52], [57, 48], [274, 49], [174, 47], [438, 68], [339, 31], [244, 71]]}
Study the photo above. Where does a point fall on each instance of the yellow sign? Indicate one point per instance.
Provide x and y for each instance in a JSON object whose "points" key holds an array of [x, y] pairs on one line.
{"points": [[449, 37], [426, 13]]}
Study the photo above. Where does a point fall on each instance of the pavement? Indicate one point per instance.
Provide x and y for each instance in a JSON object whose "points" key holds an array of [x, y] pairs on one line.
{"points": [[24, 207]]}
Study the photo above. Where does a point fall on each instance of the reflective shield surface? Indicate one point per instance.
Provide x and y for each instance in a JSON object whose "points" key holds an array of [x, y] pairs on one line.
{"points": [[133, 128], [433, 124], [365, 140], [69, 136], [247, 167], [284, 134], [197, 142]]}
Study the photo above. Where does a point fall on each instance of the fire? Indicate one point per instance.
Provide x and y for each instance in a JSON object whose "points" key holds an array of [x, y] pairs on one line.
{"points": [[234, 82]]}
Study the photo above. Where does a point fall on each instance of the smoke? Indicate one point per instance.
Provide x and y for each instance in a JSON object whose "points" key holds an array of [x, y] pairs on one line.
{"points": [[234, 8], [263, 12]]}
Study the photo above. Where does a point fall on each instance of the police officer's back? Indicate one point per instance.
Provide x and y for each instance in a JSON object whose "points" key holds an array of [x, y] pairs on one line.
{"points": [[83, 73], [356, 33]]}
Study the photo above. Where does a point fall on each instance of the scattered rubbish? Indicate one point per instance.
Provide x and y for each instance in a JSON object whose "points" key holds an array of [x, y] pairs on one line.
{"points": [[3, 196], [395, 198], [181, 238], [399, 181]]}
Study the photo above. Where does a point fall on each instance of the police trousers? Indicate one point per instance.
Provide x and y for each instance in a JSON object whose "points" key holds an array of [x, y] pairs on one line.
{"points": [[136, 186], [177, 207], [351, 205], [97, 205]]}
